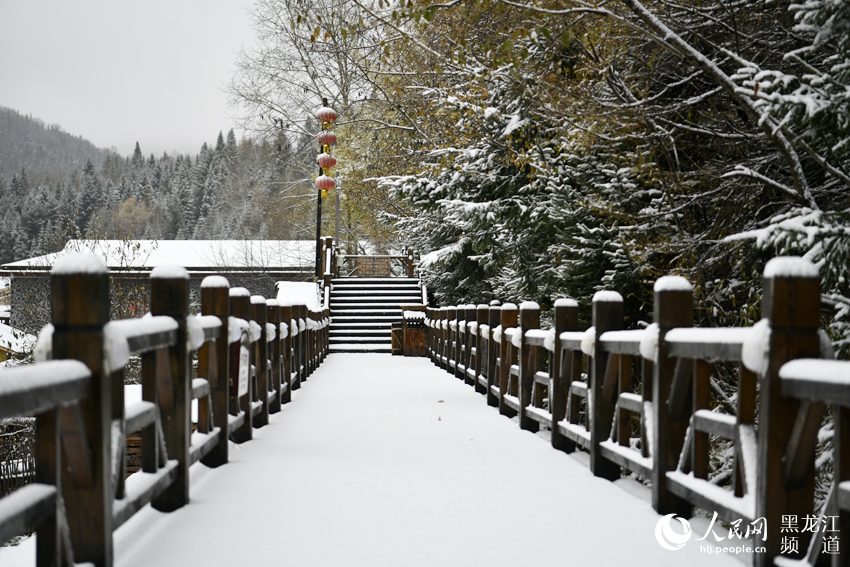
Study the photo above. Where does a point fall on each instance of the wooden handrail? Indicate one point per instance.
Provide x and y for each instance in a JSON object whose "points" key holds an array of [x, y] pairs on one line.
{"points": [[79, 401], [602, 380]]}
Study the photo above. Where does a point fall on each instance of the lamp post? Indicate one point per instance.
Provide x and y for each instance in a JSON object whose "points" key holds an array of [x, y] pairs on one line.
{"points": [[325, 161]]}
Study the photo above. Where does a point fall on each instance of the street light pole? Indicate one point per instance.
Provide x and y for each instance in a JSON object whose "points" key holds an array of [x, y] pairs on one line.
{"points": [[319, 215]]}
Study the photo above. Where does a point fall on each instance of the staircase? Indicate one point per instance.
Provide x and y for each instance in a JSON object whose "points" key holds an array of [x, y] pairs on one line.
{"points": [[363, 310]]}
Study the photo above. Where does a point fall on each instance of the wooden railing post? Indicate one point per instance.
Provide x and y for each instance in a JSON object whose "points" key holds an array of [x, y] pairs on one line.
{"points": [[273, 317], [409, 261], [259, 313], [170, 296], [214, 301], [240, 307], [470, 315], [328, 260], [448, 344], [607, 316], [428, 334], [494, 314], [301, 359], [566, 319], [79, 301], [441, 338], [508, 319], [529, 318], [673, 307], [289, 376], [791, 304], [457, 351], [482, 313]]}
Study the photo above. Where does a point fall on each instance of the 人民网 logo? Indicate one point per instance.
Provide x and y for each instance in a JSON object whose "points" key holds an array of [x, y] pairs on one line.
{"points": [[670, 537]]}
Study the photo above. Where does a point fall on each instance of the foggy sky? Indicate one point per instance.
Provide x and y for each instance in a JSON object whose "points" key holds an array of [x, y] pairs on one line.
{"points": [[117, 71]]}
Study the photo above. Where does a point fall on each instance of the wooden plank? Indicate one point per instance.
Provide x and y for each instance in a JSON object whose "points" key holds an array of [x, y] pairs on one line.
{"points": [[140, 415], [627, 458], [541, 378], [622, 342], [144, 489], [714, 423], [701, 391], [539, 415], [35, 388], [24, 508], [800, 454], [630, 402]]}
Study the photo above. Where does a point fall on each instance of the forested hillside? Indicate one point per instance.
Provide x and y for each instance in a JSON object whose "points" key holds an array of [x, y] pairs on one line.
{"points": [[232, 189], [44, 151]]}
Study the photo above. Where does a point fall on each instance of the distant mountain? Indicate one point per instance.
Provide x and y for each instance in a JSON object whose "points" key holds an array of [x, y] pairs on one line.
{"points": [[45, 151]]}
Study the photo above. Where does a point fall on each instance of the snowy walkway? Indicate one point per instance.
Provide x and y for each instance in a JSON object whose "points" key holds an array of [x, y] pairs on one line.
{"points": [[385, 461]]}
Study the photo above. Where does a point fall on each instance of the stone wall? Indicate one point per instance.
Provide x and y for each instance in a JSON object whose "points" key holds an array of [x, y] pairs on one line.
{"points": [[373, 267]]}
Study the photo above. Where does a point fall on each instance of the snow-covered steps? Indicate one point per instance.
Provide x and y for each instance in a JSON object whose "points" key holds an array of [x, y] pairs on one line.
{"points": [[364, 309]]}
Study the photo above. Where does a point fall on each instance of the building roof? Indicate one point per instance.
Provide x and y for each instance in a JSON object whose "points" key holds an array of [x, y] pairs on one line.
{"points": [[198, 255]]}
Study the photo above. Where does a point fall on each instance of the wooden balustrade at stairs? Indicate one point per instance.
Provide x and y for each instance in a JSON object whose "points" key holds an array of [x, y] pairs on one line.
{"points": [[364, 303], [251, 354], [639, 401]]}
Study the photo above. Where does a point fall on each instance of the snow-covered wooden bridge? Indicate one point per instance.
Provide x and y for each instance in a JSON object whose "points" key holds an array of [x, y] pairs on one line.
{"points": [[382, 460]]}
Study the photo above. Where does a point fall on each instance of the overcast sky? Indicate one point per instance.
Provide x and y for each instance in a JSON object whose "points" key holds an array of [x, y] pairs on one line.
{"points": [[117, 71]]}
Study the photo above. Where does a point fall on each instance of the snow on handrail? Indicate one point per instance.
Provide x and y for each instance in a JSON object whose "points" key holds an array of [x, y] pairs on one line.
{"points": [[34, 388]]}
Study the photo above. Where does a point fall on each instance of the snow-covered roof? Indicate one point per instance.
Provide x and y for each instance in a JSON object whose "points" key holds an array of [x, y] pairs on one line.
{"points": [[148, 254], [15, 340]]}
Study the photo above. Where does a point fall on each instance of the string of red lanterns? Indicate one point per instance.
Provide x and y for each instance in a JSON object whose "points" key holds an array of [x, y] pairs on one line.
{"points": [[326, 138]]}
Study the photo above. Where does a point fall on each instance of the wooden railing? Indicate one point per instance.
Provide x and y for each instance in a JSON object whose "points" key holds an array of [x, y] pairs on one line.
{"points": [[640, 401], [338, 264], [250, 352]]}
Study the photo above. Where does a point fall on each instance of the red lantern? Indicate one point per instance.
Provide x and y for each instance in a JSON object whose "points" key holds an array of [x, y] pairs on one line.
{"points": [[325, 161], [325, 183], [326, 115], [326, 138]]}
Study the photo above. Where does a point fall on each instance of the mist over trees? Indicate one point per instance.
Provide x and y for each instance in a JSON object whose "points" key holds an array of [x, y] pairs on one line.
{"points": [[232, 189], [44, 151]]}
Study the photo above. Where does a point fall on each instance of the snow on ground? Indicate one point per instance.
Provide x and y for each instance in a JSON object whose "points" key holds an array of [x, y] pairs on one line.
{"points": [[386, 461]]}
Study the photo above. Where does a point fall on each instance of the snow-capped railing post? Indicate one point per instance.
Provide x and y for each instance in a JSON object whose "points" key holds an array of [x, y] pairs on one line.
{"points": [[791, 304], [261, 357], [672, 307], [79, 301], [289, 375], [170, 296], [508, 319], [469, 315], [529, 362], [214, 301], [607, 314], [566, 319], [240, 307], [273, 317], [494, 314], [482, 316]]}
